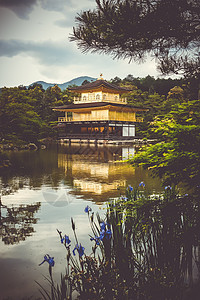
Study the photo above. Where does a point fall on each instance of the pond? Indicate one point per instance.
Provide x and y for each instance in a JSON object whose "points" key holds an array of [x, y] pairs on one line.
{"points": [[41, 191]]}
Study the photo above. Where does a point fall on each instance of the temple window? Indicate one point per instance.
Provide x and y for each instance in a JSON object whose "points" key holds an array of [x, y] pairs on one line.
{"points": [[97, 97]]}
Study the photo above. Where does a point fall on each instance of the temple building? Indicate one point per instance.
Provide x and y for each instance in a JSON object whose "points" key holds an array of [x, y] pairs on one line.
{"points": [[99, 112]]}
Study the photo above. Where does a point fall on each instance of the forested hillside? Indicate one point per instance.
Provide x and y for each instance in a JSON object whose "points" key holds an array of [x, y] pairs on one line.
{"points": [[158, 95], [26, 114]]}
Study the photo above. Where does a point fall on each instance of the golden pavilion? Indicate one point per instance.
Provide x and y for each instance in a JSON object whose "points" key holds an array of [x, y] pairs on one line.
{"points": [[99, 112]]}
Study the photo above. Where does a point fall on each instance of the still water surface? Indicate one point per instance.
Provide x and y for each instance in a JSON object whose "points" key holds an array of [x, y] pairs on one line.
{"points": [[41, 192]]}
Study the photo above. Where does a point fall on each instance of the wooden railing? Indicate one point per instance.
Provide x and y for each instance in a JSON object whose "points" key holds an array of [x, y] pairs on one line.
{"points": [[93, 99], [70, 119], [63, 119], [96, 136]]}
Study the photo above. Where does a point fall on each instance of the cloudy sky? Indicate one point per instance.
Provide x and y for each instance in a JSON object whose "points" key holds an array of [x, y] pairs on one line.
{"points": [[34, 45]]}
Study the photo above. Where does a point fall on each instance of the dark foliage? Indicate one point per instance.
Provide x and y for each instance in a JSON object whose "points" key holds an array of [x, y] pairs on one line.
{"points": [[26, 114], [169, 30], [176, 157], [146, 249]]}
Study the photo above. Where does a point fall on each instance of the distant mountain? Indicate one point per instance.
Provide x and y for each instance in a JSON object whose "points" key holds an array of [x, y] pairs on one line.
{"points": [[75, 81]]}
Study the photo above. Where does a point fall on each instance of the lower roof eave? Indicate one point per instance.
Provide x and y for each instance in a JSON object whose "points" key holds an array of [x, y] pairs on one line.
{"points": [[96, 122]]}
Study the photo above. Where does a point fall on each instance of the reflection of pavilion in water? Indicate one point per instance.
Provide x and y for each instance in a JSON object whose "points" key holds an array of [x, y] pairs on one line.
{"points": [[96, 171]]}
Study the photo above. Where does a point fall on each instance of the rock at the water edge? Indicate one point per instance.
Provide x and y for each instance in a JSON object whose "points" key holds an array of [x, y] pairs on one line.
{"points": [[32, 146]]}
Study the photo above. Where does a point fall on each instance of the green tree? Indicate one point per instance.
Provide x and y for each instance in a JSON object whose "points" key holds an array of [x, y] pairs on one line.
{"points": [[36, 94], [162, 85], [19, 121], [175, 96], [68, 97], [116, 80], [34, 85], [57, 95], [176, 93], [148, 84], [176, 158], [26, 115], [155, 104]]}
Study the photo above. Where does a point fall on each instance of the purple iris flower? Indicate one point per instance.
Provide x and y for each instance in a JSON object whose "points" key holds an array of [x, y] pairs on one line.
{"points": [[108, 234], [65, 240], [168, 187], [130, 188], [80, 250], [142, 184], [96, 239], [87, 209], [48, 259], [105, 233], [103, 225], [102, 234]]}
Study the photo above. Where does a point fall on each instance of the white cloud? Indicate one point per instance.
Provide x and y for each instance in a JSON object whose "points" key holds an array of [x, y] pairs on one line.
{"points": [[40, 26], [50, 61], [38, 47], [18, 71]]}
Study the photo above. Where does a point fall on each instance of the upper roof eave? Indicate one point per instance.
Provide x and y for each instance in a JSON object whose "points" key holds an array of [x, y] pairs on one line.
{"points": [[96, 105], [98, 84]]}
